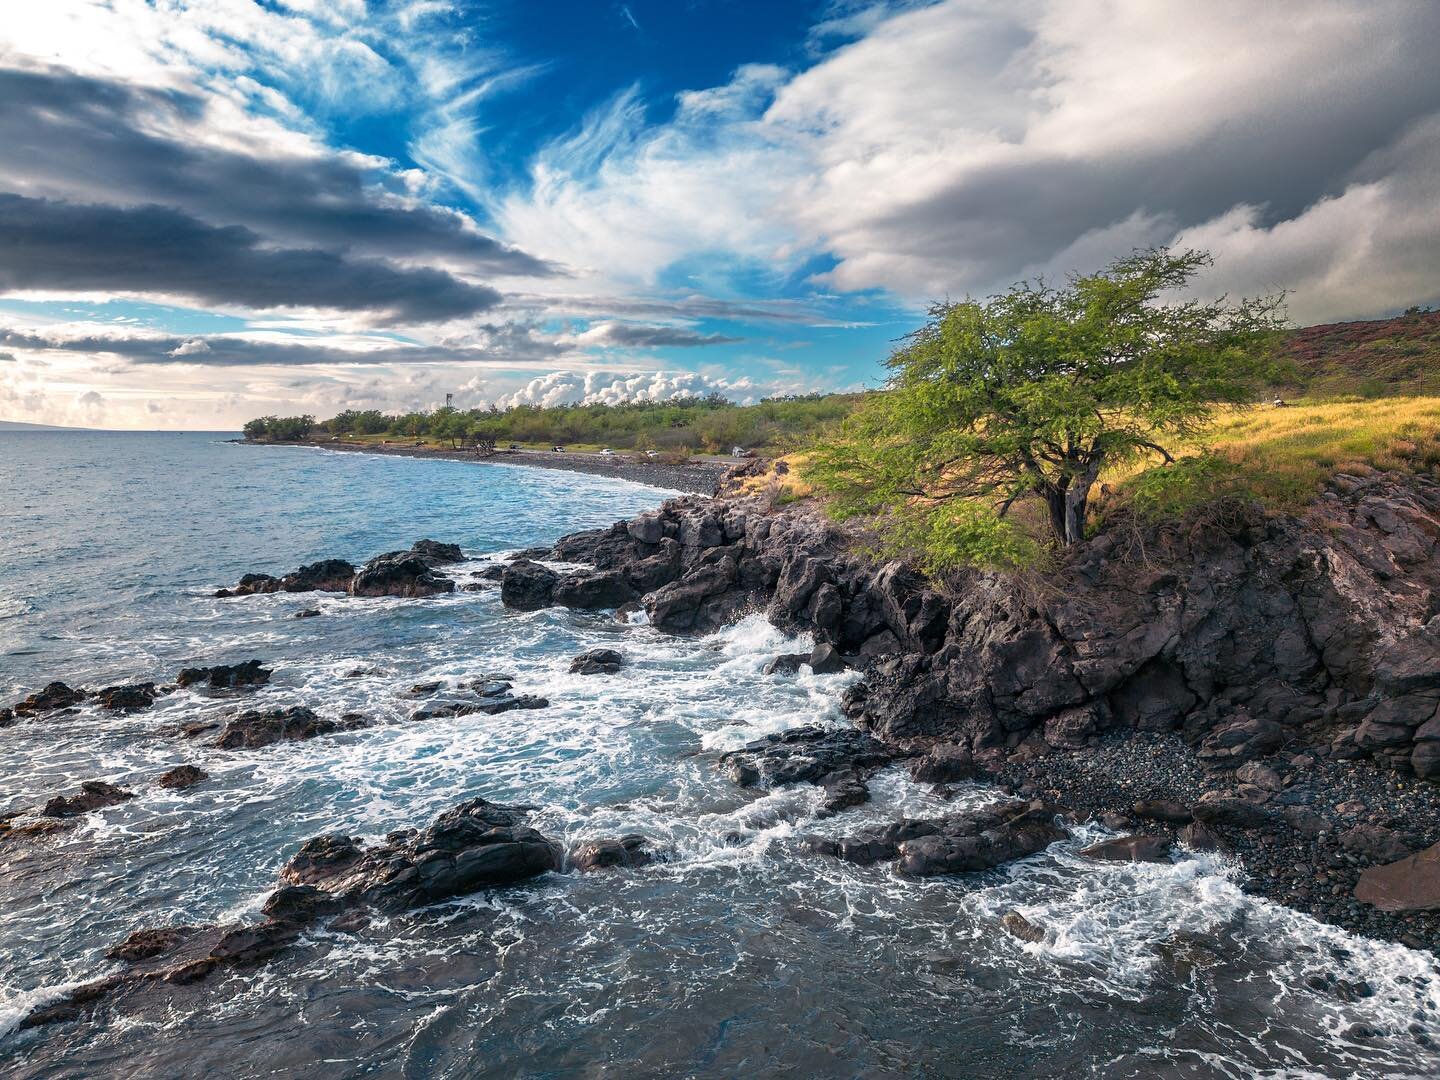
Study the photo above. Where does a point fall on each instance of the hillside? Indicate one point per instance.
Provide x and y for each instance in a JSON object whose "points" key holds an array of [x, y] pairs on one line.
{"points": [[1372, 358]]}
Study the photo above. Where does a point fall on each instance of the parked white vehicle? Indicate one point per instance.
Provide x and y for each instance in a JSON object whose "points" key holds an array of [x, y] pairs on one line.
{"points": [[607, 450]]}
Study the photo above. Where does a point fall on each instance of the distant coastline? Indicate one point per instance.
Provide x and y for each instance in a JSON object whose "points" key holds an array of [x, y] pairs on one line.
{"points": [[700, 476]]}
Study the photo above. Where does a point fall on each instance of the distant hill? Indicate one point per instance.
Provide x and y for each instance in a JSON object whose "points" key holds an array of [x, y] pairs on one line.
{"points": [[1372, 359], [16, 425]]}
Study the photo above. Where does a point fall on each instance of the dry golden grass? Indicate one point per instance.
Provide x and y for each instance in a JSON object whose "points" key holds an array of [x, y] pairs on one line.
{"points": [[1285, 455]]}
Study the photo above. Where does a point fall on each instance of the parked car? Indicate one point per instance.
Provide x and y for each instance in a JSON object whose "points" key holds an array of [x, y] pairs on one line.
{"points": [[652, 453], [558, 449], [607, 450]]}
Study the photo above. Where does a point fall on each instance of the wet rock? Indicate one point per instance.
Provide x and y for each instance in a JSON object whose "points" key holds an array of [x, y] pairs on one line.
{"points": [[438, 553], [943, 765], [195, 728], [1375, 844], [647, 528], [1260, 776], [705, 598], [248, 945], [1130, 849], [1166, 810], [980, 841], [1241, 741], [489, 705], [1409, 885], [249, 585], [149, 943], [299, 905], [420, 689], [129, 698], [826, 660], [327, 575], [54, 697], [843, 789], [307, 613], [527, 586], [1224, 811], [597, 662], [593, 590], [477, 845], [1200, 837], [181, 777], [785, 664], [627, 851], [225, 676], [400, 573], [94, 795], [1020, 927], [803, 754], [254, 729]]}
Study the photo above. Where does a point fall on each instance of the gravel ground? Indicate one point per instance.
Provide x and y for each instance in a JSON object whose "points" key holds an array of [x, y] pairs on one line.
{"points": [[1315, 873]]}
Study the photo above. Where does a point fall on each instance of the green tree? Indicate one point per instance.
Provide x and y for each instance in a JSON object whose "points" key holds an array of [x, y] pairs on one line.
{"points": [[1033, 392]]}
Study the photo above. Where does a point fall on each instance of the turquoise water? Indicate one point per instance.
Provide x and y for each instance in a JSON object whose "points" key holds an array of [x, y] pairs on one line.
{"points": [[738, 954]]}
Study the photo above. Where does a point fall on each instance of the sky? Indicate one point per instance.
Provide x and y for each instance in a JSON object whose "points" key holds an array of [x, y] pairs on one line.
{"points": [[212, 210]]}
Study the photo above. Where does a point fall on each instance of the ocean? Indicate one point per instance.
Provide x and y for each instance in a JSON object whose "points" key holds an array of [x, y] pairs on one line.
{"points": [[737, 953]]}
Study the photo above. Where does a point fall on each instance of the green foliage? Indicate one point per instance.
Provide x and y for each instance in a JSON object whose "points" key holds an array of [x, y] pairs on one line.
{"points": [[1170, 491], [280, 428], [1033, 392], [679, 426], [957, 534]]}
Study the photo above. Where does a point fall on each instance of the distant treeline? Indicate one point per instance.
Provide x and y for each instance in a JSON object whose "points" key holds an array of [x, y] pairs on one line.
{"points": [[696, 423]]}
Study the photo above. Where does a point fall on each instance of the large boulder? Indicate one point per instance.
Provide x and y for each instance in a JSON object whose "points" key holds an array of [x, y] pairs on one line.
{"points": [[131, 698], [400, 573], [597, 662], [960, 843], [1130, 849], [1225, 811], [54, 697], [527, 586], [1410, 884], [254, 729], [803, 754], [327, 575], [476, 845], [592, 590], [225, 676], [626, 851], [94, 795], [182, 777], [1241, 740], [436, 552]]}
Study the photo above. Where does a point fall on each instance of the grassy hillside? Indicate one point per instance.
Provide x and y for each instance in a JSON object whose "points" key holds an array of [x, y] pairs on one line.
{"points": [[1367, 359]]}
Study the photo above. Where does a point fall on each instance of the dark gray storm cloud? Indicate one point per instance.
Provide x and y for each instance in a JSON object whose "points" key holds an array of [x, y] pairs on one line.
{"points": [[92, 140], [504, 343], [62, 246]]}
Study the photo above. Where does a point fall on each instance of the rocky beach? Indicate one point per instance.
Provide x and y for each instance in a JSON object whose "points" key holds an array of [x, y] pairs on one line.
{"points": [[1251, 691]]}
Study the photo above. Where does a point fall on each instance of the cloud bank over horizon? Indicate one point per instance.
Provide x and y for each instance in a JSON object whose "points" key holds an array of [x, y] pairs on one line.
{"points": [[214, 210]]}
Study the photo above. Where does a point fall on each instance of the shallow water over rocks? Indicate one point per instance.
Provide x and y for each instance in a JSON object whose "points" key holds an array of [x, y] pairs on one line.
{"points": [[734, 951]]}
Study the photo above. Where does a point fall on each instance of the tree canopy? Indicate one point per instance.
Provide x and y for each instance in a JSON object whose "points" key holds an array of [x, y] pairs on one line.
{"points": [[1031, 393]]}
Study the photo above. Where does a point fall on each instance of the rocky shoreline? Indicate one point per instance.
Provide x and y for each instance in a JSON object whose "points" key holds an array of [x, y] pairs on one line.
{"points": [[1275, 679], [1261, 685], [696, 476]]}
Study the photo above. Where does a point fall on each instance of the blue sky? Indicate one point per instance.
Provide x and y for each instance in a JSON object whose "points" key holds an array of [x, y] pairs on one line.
{"points": [[214, 210]]}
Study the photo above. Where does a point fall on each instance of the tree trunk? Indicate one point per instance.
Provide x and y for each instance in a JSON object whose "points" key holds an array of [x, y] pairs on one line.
{"points": [[1055, 502], [1068, 504]]}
